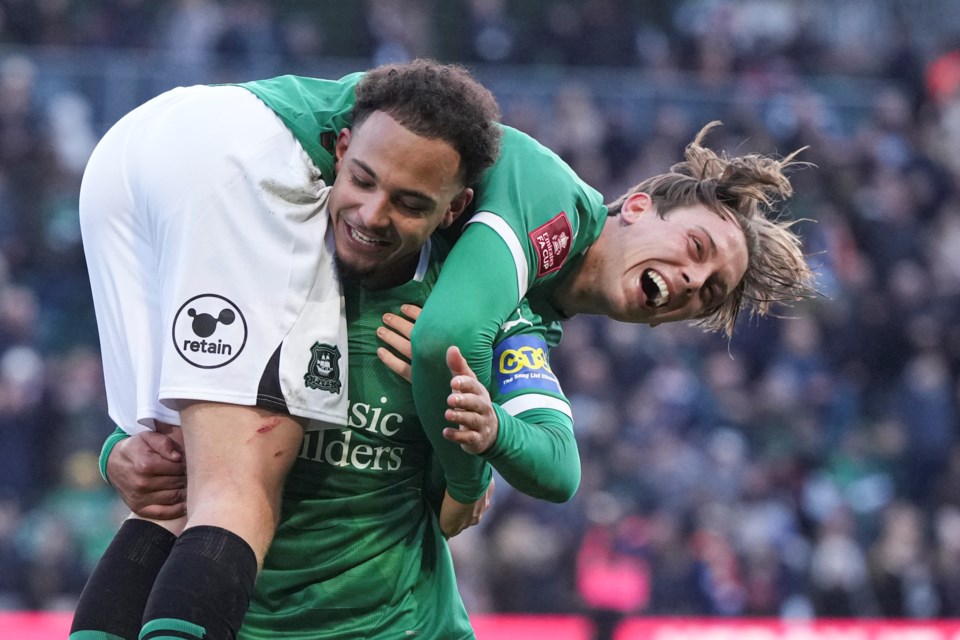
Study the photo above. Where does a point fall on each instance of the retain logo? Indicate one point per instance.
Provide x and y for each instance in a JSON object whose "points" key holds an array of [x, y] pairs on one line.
{"points": [[209, 331], [323, 372]]}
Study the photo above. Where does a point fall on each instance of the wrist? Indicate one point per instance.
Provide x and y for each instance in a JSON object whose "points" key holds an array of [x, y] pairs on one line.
{"points": [[112, 440], [493, 450]]}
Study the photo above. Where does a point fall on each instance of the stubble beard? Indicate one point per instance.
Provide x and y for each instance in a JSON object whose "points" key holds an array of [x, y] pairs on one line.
{"points": [[347, 271]]}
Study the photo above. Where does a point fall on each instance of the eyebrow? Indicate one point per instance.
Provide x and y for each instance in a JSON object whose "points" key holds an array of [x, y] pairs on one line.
{"points": [[412, 193]]}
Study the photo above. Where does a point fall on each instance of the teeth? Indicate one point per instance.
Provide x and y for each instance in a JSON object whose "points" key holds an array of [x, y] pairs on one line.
{"points": [[356, 235], [662, 285]]}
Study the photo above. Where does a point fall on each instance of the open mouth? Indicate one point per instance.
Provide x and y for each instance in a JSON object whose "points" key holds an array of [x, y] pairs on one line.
{"points": [[361, 238], [655, 288]]}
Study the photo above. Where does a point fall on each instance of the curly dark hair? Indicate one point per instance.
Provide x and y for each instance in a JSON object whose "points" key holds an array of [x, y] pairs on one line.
{"points": [[439, 102]]}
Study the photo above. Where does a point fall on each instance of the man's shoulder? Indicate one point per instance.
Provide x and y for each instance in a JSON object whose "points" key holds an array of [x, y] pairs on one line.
{"points": [[530, 182]]}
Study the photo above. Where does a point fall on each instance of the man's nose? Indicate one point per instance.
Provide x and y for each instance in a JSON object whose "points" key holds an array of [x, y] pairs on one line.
{"points": [[693, 279], [375, 212]]}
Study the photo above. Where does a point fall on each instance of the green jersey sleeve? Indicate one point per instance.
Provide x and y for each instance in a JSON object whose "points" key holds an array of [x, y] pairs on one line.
{"points": [[534, 219], [315, 110], [535, 450]]}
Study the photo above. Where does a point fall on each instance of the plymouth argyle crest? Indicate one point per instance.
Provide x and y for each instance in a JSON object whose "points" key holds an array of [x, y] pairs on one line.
{"points": [[323, 372]]}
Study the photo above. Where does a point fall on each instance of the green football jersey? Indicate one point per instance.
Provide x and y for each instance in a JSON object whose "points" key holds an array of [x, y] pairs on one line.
{"points": [[359, 552]]}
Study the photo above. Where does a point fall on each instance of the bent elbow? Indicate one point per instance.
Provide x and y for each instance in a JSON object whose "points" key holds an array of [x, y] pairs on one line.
{"points": [[430, 340], [562, 491]]}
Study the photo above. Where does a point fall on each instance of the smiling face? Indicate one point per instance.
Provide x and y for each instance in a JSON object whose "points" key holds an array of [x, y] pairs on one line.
{"points": [[393, 189], [677, 267]]}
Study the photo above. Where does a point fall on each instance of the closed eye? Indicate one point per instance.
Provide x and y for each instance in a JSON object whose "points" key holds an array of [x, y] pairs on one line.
{"points": [[713, 297], [360, 182], [414, 209]]}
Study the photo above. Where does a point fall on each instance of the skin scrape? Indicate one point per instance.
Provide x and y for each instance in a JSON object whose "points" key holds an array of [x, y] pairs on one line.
{"points": [[269, 424]]}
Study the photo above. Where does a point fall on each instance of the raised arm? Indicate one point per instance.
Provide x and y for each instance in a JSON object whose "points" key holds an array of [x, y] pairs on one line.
{"points": [[474, 296]]}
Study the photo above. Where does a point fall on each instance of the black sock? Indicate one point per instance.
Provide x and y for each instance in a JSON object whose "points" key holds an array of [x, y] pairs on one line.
{"points": [[204, 588], [116, 593]]}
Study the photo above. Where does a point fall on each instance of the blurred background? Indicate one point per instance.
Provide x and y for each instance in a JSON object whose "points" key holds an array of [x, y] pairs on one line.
{"points": [[808, 468]]}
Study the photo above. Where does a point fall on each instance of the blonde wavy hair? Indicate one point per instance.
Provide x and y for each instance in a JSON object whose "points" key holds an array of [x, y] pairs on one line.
{"points": [[745, 189]]}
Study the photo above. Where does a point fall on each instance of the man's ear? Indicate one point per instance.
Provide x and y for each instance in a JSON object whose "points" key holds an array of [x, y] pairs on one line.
{"points": [[457, 206], [343, 141], [636, 205]]}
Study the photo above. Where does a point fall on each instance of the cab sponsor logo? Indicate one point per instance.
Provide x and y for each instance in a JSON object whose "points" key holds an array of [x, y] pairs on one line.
{"points": [[209, 331], [522, 362], [552, 242]]}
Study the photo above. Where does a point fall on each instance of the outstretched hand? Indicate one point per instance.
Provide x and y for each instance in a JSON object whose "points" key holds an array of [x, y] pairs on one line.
{"points": [[149, 472], [470, 407]]}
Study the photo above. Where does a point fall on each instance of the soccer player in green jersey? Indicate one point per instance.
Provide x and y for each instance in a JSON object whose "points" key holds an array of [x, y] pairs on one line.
{"points": [[699, 242], [359, 552]]}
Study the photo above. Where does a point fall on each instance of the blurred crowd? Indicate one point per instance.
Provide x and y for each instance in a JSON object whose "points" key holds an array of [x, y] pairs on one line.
{"points": [[810, 466]]}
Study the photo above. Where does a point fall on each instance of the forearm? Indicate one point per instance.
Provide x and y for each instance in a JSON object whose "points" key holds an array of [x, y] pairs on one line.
{"points": [[537, 455], [465, 309]]}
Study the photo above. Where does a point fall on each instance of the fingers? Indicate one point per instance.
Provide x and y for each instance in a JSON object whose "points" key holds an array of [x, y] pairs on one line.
{"points": [[469, 407], [396, 334], [167, 498], [468, 395], [174, 432], [157, 512], [148, 481], [154, 501], [147, 462], [163, 505], [398, 365], [165, 474], [469, 440], [163, 445], [400, 324], [458, 364], [456, 516], [412, 311], [396, 341]]}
